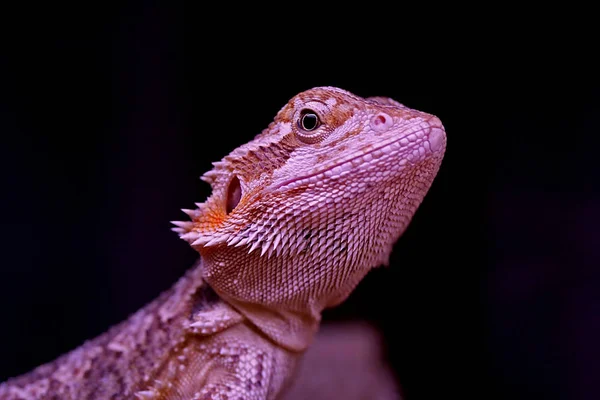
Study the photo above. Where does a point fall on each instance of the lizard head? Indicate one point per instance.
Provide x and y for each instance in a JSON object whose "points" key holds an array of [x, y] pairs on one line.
{"points": [[301, 213]]}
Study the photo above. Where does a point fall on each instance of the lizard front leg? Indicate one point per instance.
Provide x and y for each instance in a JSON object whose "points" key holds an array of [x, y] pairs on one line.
{"points": [[222, 357], [234, 364]]}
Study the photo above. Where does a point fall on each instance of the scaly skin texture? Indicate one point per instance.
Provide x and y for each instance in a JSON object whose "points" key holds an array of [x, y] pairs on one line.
{"points": [[296, 219]]}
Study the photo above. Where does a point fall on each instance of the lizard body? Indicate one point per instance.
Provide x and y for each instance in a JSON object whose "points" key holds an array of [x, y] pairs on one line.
{"points": [[295, 220]]}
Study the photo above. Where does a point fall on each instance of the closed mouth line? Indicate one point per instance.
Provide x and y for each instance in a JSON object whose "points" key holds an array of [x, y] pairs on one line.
{"points": [[393, 144]]}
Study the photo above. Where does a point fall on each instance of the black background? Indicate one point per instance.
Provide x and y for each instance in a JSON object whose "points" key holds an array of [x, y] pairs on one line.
{"points": [[110, 114]]}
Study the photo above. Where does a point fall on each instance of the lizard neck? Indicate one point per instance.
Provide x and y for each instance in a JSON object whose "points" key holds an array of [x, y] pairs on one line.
{"points": [[291, 330], [269, 296], [279, 294]]}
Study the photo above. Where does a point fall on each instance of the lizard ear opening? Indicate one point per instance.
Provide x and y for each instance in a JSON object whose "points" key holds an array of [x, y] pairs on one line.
{"points": [[234, 194]]}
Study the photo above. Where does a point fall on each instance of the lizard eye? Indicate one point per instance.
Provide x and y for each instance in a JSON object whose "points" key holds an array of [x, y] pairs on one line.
{"points": [[312, 122], [309, 120], [234, 194]]}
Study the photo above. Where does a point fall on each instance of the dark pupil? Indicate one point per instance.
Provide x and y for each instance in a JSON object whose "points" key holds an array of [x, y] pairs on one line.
{"points": [[310, 121]]}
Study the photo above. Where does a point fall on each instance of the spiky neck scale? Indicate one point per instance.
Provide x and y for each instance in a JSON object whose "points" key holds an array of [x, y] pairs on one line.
{"points": [[300, 214]]}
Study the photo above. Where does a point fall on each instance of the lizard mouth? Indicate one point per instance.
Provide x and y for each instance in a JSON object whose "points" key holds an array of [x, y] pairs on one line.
{"points": [[414, 147]]}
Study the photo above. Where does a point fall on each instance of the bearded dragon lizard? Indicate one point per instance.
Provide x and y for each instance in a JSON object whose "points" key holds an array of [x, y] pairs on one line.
{"points": [[296, 218]]}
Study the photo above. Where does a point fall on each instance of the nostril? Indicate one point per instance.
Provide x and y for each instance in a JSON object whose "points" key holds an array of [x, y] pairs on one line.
{"points": [[381, 122]]}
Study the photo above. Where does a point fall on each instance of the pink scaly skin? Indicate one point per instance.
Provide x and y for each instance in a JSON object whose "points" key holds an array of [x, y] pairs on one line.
{"points": [[296, 219]]}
